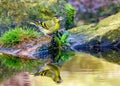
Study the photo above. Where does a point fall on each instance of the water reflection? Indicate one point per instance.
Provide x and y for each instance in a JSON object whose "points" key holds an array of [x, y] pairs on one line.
{"points": [[109, 54], [82, 69], [15, 66], [85, 70], [11, 66]]}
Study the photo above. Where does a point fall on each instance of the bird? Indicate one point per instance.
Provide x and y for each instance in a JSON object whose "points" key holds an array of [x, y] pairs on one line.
{"points": [[50, 70], [48, 27]]}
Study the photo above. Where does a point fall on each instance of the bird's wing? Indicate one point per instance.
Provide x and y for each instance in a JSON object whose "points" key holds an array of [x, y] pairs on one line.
{"points": [[55, 27], [50, 23]]}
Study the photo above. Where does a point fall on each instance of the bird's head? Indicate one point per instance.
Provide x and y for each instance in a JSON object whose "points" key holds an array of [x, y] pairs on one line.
{"points": [[55, 19], [54, 73], [56, 79]]}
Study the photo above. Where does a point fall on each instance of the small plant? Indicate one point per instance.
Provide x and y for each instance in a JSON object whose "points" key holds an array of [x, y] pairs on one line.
{"points": [[17, 35], [65, 56], [63, 39], [63, 43], [70, 16]]}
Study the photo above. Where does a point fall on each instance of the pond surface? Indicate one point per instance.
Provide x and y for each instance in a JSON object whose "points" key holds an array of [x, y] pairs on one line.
{"points": [[86, 68]]}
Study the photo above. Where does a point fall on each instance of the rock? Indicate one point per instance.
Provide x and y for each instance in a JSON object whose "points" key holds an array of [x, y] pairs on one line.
{"points": [[32, 57], [103, 34], [27, 50]]}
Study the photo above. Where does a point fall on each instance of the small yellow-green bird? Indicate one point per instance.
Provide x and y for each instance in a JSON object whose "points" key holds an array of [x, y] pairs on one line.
{"points": [[48, 27], [50, 70]]}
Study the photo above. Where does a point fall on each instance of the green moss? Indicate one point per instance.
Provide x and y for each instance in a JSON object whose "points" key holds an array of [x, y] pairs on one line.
{"points": [[17, 35]]}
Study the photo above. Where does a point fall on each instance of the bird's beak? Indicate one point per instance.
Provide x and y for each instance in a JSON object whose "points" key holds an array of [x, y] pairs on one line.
{"points": [[60, 18]]}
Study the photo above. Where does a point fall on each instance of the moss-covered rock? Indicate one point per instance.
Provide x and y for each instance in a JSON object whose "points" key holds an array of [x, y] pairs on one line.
{"points": [[18, 36], [105, 33], [112, 20]]}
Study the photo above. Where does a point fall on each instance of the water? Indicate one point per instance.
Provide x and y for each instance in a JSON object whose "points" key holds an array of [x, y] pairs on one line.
{"points": [[86, 68]]}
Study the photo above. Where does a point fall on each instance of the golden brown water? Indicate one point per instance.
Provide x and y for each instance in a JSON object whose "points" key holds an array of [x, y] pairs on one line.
{"points": [[84, 70]]}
